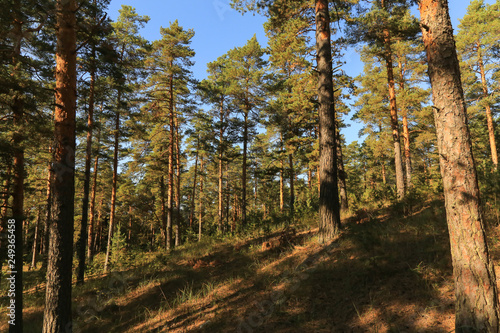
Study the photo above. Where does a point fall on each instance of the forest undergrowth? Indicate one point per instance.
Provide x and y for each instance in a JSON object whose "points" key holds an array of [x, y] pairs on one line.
{"points": [[386, 272]]}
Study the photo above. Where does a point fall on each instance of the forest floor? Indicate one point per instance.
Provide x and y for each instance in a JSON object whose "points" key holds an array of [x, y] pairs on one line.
{"points": [[386, 272]]}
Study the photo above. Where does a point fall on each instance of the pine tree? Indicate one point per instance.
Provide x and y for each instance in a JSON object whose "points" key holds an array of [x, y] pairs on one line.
{"points": [[477, 42], [129, 46]]}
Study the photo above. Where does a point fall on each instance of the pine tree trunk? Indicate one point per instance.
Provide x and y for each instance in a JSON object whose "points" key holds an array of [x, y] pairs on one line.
{"points": [[36, 238], [115, 181], [329, 212], [244, 170], [99, 226], [6, 194], [191, 214], [170, 166], [57, 312], [129, 233], [282, 188], [200, 213], [90, 245], [84, 236], [406, 132], [221, 140], [178, 185], [398, 162], [292, 188], [163, 212], [344, 203], [489, 117], [476, 299], [48, 215]]}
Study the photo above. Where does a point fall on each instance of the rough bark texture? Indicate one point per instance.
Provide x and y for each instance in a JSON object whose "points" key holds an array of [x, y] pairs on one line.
{"points": [[476, 302], [200, 213], [57, 313], [329, 212], [178, 184]]}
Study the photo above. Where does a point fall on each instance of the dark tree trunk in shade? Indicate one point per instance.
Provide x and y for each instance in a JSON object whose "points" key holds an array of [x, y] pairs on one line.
{"points": [[329, 206], [476, 299], [57, 312]]}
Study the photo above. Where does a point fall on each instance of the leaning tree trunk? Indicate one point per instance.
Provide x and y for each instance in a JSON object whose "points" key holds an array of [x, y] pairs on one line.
{"points": [[476, 299], [329, 212], [57, 313]]}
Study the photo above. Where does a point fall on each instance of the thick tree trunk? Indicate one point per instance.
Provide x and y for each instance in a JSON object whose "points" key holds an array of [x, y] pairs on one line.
{"points": [[476, 296], [57, 313], [84, 237], [115, 181], [329, 210], [489, 117], [344, 203]]}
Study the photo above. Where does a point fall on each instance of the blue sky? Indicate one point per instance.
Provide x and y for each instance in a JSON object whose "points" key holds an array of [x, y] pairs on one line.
{"points": [[218, 28]]}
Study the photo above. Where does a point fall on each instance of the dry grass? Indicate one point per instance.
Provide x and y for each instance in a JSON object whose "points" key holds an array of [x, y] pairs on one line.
{"points": [[387, 273]]}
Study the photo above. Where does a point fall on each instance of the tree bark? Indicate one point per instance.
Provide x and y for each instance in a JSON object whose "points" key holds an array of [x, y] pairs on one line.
{"points": [[282, 188], [329, 212], [57, 313], [48, 214], [476, 299], [489, 117]]}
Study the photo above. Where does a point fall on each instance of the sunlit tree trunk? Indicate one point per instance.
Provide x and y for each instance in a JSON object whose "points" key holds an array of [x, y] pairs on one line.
{"points": [[200, 212], [329, 207], [57, 312], [476, 298]]}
